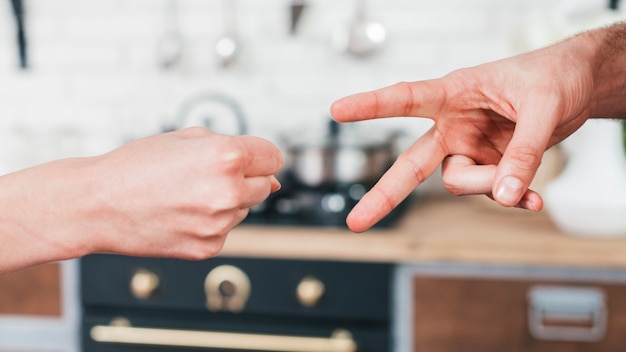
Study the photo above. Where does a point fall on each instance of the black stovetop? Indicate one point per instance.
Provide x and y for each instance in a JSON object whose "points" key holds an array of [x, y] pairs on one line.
{"points": [[323, 206]]}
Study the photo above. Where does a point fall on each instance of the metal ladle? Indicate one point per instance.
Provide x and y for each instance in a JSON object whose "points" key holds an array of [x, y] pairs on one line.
{"points": [[363, 37], [227, 46]]}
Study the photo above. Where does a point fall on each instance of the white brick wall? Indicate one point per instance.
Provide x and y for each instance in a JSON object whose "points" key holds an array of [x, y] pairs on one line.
{"points": [[94, 72]]}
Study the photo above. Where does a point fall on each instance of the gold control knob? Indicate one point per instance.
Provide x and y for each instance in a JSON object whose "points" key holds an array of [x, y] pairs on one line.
{"points": [[120, 321], [144, 284], [227, 288], [309, 291]]}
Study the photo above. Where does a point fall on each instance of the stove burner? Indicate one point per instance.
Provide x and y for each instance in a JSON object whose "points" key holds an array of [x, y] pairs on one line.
{"points": [[323, 206]]}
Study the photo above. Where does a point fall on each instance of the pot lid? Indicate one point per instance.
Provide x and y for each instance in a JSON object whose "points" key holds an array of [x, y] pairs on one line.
{"points": [[338, 135]]}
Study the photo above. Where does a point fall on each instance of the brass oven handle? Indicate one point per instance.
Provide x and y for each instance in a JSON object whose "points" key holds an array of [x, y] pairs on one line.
{"points": [[340, 341]]}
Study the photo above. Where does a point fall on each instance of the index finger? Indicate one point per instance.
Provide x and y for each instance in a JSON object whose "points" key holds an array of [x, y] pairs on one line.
{"points": [[419, 99], [412, 168], [263, 158]]}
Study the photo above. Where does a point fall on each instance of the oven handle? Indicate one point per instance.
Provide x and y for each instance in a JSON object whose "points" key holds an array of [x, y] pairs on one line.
{"points": [[340, 341]]}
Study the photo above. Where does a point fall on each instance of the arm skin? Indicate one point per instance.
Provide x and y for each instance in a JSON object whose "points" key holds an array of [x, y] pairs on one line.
{"points": [[172, 195], [493, 122]]}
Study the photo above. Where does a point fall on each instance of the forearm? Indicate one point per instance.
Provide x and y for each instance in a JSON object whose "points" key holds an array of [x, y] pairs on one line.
{"points": [[609, 67], [155, 196], [42, 214]]}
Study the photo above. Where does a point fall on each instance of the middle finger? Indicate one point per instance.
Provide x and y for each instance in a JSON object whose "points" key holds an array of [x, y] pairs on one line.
{"points": [[412, 168], [257, 189]]}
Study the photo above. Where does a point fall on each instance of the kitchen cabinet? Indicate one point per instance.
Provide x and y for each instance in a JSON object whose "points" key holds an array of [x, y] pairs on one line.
{"points": [[470, 278], [35, 291], [39, 308], [513, 308]]}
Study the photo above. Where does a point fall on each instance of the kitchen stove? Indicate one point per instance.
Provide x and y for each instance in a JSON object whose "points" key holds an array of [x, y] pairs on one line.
{"points": [[234, 304], [326, 205], [226, 304]]}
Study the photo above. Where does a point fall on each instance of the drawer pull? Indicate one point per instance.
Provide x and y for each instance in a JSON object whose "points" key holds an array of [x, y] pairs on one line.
{"points": [[340, 341], [567, 314]]}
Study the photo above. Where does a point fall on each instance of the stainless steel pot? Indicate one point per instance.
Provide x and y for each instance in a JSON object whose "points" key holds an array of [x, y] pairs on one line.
{"points": [[339, 156]]}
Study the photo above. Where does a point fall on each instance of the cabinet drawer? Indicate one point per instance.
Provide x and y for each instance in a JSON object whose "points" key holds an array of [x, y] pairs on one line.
{"points": [[35, 291], [457, 313]]}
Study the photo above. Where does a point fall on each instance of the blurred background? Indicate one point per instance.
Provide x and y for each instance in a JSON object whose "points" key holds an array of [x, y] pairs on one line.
{"points": [[100, 72], [80, 78]]}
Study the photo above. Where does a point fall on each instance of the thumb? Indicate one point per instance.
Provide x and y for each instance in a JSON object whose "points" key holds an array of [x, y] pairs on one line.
{"points": [[522, 158]]}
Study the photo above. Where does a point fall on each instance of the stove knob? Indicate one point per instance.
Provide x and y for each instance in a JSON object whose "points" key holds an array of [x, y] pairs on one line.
{"points": [[227, 288], [309, 291], [144, 284]]}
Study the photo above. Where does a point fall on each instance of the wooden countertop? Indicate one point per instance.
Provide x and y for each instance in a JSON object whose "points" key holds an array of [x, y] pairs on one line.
{"points": [[451, 229]]}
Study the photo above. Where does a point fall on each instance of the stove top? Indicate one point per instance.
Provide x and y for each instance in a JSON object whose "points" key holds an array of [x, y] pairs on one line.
{"points": [[322, 206]]}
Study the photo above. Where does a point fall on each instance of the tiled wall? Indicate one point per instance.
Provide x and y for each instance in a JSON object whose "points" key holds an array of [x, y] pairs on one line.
{"points": [[94, 79]]}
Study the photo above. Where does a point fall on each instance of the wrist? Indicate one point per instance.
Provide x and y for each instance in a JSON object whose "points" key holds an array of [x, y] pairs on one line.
{"points": [[609, 71]]}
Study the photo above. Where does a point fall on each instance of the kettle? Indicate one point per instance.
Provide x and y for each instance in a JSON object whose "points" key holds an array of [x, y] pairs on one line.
{"points": [[216, 111]]}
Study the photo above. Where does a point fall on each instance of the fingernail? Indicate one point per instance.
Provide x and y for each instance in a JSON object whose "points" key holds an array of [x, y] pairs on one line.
{"points": [[510, 190], [528, 205], [532, 201], [275, 184]]}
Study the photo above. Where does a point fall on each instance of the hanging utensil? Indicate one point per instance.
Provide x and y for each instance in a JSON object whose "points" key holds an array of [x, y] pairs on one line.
{"points": [[363, 37], [296, 7], [170, 47], [227, 46], [18, 13]]}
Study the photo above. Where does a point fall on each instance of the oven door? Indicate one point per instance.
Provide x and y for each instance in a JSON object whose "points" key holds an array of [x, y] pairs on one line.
{"points": [[249, 305], [150, 333]]}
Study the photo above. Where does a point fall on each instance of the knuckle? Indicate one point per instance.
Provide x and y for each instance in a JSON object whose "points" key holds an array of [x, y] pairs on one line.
{"points": [[230, 198], [279, 160], [387, 203], [416, 171], [194, 132], [458, 74], [525, 157], [232, 159], [409, 98], [451, 183]]}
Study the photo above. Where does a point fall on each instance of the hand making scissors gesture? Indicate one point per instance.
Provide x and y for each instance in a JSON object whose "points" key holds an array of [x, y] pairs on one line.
{"points": [[493, 122]]}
